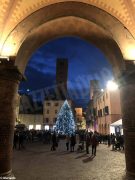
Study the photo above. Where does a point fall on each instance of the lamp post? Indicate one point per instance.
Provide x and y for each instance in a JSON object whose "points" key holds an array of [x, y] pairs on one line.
{"points": [[111, 86]]}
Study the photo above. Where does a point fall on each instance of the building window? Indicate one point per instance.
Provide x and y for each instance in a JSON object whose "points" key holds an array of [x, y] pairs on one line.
{"points": [[38, 127], [46, 127], [100, 112], [54, 120], [103, 98], [47, 111], [106, 110], [56, 104], [56, 111], [48, 104], [47, 120], [31, 127]]}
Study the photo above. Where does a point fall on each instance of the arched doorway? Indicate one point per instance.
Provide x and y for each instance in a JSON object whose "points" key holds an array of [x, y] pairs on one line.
{"points": [[57, 20]]}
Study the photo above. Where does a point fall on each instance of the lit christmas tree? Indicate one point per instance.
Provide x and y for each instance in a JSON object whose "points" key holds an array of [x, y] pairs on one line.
{"points": [[65, 121]]}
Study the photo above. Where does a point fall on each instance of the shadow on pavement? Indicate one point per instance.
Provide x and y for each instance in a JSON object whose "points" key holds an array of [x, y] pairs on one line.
{"points": [[88, 159], [119, 151], [63, 153], [81, 156]]}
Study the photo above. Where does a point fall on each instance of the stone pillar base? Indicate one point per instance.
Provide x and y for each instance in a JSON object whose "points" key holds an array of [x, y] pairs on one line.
{"points": [[7, 175], [130, 175], [9, 80], [127, 92]]}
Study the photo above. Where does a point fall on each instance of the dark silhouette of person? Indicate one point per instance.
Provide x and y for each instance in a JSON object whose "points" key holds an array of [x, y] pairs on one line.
{"points": [[54, 142], [113, 141], [21, 140], [67, 142], [94, 142], [72, 143], [88, 142], [122, 142], [15, 142], [109, 140]]}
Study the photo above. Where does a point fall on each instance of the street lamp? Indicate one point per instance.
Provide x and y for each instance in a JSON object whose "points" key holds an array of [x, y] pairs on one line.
{"points": [[112, 86], [28, 90]]}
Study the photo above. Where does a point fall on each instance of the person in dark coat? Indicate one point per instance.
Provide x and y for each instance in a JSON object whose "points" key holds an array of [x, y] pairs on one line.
{"points": [[94, 142], [54, 142], [72, 143], [15, 142], [88, 142], [122, 142], [113, 141], [109, 140], [21, 140], [67, 142]]}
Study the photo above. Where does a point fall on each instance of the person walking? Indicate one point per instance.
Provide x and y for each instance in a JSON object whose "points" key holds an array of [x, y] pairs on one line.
{"points": [[113, 142], [15, 142], [109, 140], [72, 143], [94, 142], [54, 142], [88, 142], [67, 142], [21, 140]]}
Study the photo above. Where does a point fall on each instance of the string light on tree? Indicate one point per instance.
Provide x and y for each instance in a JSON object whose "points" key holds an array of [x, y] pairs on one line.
{"points": [[65, 121]]}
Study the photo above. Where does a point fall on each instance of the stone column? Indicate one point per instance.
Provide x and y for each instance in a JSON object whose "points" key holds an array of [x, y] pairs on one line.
{"points": [[9, 79], [127, 92]]}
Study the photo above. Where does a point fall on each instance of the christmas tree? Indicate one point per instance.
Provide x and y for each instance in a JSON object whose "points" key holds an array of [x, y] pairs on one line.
{"points": [[65, 120]]}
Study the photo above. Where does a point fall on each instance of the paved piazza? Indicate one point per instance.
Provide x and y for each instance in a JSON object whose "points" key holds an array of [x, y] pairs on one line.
{"points": [[37, 162]]}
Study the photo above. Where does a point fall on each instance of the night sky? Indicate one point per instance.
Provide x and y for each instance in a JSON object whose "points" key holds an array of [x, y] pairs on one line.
{"points": [[86, 62]]}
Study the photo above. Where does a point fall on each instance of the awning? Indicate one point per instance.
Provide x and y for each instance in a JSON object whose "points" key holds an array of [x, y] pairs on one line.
{"points": [[117, 123]]}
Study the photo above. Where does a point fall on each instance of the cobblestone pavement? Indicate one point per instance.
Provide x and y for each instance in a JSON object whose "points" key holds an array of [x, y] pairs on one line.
{"points": [[37, 162]]}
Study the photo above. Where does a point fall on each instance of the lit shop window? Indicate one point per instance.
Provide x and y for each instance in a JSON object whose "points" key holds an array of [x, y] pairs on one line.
{"points": [[47, 127], [31, 127], [38, 127]]}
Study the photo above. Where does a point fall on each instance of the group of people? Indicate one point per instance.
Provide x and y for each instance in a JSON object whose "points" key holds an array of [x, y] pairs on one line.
{"points": [[19, 138], [88, 138], [114, 140], [83, 139], [70, 142], [91, 139]]}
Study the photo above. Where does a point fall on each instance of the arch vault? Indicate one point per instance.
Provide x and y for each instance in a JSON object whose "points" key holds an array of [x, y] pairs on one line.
{"points": [[100, 23]]}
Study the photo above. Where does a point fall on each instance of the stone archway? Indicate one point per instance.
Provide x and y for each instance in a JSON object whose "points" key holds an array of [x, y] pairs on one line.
{"points": [[57, 20], [62, 27]]}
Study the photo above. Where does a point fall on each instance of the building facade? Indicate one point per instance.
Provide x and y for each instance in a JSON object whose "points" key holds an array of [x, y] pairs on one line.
{"points": [[50, 112], [32, 121], [104, 108], [107, 110], [78, 116], [90, 110], [29, 113]]}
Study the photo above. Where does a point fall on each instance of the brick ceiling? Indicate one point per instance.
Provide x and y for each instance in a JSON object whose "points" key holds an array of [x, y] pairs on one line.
{"points": [[13, 12]]}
